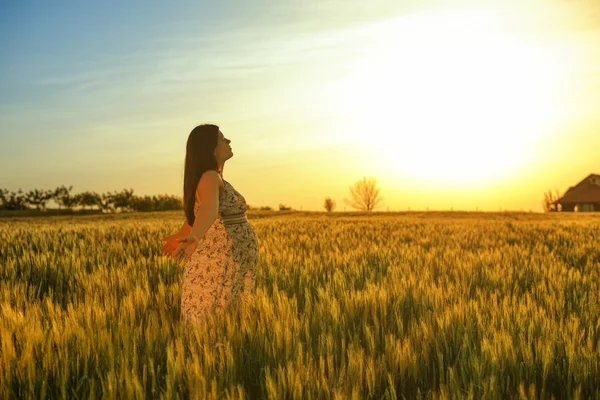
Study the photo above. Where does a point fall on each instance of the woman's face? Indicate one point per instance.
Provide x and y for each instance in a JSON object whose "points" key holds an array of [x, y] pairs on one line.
{"points": [[223, 150]]}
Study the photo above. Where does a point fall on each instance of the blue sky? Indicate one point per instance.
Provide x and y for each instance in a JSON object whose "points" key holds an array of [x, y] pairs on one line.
{"points": [[102, 95]]}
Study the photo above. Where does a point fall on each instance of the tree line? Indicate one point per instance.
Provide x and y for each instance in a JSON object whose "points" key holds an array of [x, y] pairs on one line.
{"points": [[364, 196], [107, 202]]}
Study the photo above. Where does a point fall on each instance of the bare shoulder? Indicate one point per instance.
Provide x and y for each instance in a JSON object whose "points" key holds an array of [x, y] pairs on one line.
{"points": [[210, 183], [212, 176]]}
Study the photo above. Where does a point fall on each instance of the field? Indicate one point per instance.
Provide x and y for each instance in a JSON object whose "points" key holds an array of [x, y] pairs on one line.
{"points": [[406, 305]]}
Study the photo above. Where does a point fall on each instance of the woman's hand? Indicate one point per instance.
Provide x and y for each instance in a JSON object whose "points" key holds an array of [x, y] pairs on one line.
{"points": [[187, 246], [170, 245]]}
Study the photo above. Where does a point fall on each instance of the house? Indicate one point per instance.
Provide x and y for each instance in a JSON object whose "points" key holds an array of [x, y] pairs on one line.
{"points": [[585, 196]]}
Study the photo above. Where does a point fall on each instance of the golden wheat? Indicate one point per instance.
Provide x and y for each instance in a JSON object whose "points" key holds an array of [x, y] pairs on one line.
{"points": [[347, 306]]}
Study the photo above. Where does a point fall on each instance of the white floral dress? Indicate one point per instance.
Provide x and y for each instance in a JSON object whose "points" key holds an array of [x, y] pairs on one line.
{"points": [[222, 269]]}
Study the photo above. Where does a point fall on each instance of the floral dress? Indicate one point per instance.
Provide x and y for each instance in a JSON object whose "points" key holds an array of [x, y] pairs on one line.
{"points": [[222, 269]]}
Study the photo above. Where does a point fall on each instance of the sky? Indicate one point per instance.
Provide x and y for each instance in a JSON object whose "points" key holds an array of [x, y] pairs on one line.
{"points": [[463, 105]]}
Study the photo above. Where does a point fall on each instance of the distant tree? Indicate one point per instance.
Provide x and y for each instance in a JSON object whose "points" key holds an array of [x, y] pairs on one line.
{"points": [[77, 199], [165, 202], [106, 202], [549, 202], [63, 197], [143, 204], [161, 202], [3, 197], [123, 200], [365, 195], [88, 199], [266, 208], [329, 204], [283, 207], [38, 198], [14, 200]]}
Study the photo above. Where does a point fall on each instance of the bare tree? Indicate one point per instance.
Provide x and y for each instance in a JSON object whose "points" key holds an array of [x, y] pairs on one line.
{"points": [[364, 195], [329, 204], [549, 202]]}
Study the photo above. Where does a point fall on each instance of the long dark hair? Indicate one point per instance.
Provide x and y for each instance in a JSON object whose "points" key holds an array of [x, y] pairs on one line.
{"points": [[199, 158]]}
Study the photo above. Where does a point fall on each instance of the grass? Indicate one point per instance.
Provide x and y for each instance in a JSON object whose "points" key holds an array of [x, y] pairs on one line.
{"points": [[348, 305]]}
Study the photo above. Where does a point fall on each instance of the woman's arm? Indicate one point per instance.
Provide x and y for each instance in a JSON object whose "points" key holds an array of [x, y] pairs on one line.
{"points": [[185, 229], [208, 211]]}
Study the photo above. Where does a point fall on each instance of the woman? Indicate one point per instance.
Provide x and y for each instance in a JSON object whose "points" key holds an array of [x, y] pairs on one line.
{"points": [[218, 244]]}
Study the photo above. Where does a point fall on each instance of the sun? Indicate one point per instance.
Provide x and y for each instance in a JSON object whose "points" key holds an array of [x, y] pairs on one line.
{"points": [[449, 104]]}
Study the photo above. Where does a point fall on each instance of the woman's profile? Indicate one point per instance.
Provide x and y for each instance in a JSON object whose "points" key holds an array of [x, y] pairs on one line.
{"points": [[218, 244]]}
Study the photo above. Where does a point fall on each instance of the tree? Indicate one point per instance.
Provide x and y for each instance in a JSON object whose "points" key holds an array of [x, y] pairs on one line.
{"points": [[124, 200], [62, 196], [14, 200], [365, 195], [329, 204], [164, 202], [38, 198], [143, 204], [283, 207], [106, 202], [3, 197], [88, 199], [549, 202]]}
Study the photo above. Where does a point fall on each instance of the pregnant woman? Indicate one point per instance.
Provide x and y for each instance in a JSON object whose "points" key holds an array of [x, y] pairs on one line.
{"points": [[218, 244]]}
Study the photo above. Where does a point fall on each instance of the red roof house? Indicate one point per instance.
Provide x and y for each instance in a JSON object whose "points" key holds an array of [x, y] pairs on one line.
{"points": [[585, 196]]}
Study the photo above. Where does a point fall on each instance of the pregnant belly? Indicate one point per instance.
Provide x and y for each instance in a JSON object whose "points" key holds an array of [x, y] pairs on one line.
{"points": [[239, 239], [242, 235]]}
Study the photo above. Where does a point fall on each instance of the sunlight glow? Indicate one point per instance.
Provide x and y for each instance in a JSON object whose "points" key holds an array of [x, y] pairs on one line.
{"points": [[449, 102]]}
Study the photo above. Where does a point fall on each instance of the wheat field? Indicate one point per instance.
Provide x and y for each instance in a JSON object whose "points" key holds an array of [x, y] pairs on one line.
{"points": [[348, 306]]}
